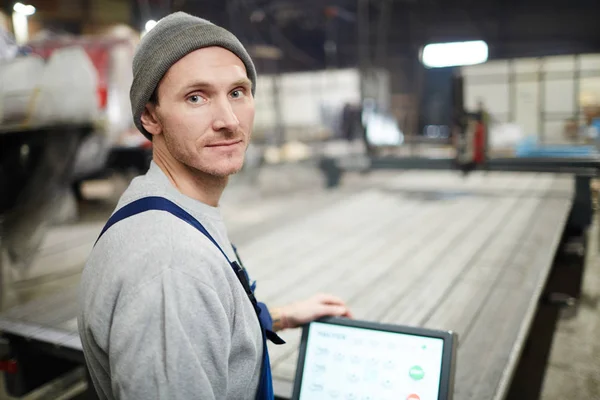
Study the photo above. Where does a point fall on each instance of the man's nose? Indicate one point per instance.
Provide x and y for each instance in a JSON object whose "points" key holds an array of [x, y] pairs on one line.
{"points": [[224, 117]]}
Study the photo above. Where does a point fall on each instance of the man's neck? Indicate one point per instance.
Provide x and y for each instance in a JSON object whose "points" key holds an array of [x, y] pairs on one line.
{"points": [[190, 182]]}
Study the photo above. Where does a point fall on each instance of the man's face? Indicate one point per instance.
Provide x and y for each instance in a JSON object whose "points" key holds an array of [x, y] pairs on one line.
{"points": [[205, 111]]}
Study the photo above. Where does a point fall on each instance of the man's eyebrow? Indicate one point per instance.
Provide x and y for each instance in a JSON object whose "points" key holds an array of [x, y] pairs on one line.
{"points": [[197, 84], [207, 85], [242, 82]]}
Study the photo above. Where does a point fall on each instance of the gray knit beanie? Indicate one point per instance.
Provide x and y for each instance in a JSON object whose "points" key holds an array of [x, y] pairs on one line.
{"points": [[170, 40]]}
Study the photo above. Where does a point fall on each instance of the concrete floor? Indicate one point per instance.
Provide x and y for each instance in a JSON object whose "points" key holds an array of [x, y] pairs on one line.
{"points": [[574, 366]]}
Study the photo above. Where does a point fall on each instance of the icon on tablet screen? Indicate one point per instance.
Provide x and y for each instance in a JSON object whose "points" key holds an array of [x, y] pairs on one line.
{"points": [[413, 397], [373, 361], [416, 373], [322, 351], [319, 368], [315, 387]]}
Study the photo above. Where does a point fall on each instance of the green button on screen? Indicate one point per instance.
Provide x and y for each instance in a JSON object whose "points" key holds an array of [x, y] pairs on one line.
{"points": [[416, 373]]}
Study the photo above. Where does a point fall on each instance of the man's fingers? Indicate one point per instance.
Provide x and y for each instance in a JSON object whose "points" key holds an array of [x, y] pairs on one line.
{"points": [[330, 299], [346, 313], [333, 306], [333, 311]]}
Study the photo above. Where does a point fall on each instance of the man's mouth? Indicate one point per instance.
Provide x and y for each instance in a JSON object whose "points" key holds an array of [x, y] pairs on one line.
{"points": [[225, 143]]}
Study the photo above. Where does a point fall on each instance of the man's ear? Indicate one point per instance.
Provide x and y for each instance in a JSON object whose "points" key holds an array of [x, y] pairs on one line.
{"points": [[150, 120]]}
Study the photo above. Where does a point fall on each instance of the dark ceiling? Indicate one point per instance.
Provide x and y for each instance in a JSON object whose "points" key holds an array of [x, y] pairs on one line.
{"points": [[397, 28], [371, 32]]}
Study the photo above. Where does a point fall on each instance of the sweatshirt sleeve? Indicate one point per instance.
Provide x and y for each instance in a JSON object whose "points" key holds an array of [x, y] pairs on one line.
{"points": [[170, 339]]}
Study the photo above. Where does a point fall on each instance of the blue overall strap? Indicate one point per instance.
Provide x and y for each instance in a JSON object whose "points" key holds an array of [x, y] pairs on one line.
{"points": [[265, 385], [264, 315], [265, 388], [161, 204]]}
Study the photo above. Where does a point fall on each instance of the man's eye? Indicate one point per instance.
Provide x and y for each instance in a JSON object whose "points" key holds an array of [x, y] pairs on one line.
{"points": [[195, 99], [237, 93]]}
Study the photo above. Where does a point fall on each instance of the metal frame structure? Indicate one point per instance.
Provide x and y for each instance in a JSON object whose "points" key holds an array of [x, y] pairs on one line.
{"points": [[584, 170]]}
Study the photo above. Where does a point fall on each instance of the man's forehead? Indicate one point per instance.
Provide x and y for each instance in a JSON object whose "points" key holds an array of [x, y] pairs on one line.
{"points": [[200, 82], [211, 57]]}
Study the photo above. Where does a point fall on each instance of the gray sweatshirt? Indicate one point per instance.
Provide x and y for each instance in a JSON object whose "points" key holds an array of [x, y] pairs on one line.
{"points": [[163, 315]]}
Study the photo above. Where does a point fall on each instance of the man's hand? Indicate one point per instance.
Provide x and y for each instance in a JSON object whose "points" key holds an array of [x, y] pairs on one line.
{"points": [[302, 312]]}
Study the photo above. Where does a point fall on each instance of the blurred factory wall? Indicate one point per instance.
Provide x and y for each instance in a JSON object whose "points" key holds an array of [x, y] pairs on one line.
{"points": [[311, 104], [4, 21], [544, 97], [406, 75]]}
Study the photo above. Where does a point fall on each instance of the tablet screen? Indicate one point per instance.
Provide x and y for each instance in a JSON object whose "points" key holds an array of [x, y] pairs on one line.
{"points": [[353, 363]]}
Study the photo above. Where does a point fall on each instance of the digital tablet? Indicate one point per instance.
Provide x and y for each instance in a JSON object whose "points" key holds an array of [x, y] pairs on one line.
{"points": [[356, 360]]}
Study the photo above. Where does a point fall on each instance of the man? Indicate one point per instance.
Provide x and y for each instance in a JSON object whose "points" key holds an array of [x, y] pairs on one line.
{"points": [[165, 311]]}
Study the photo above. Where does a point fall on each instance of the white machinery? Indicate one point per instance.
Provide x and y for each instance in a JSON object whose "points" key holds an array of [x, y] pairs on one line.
{"points": [[64, 117]]}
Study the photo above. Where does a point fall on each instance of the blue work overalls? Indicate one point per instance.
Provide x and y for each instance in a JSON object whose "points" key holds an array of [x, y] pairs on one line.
{"points": [[265, 388]]}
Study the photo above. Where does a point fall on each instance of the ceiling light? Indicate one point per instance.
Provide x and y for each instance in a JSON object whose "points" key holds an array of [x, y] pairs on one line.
{"points": [[150, 24], [439, 55], [23, 9]]}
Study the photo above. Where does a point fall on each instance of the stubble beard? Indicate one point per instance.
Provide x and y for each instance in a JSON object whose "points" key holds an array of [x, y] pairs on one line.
{"points": [[182, 156]]}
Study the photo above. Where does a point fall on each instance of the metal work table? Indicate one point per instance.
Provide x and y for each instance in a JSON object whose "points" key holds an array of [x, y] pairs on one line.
{"points": [[427, 249], [576, 165], [434, 249]]}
